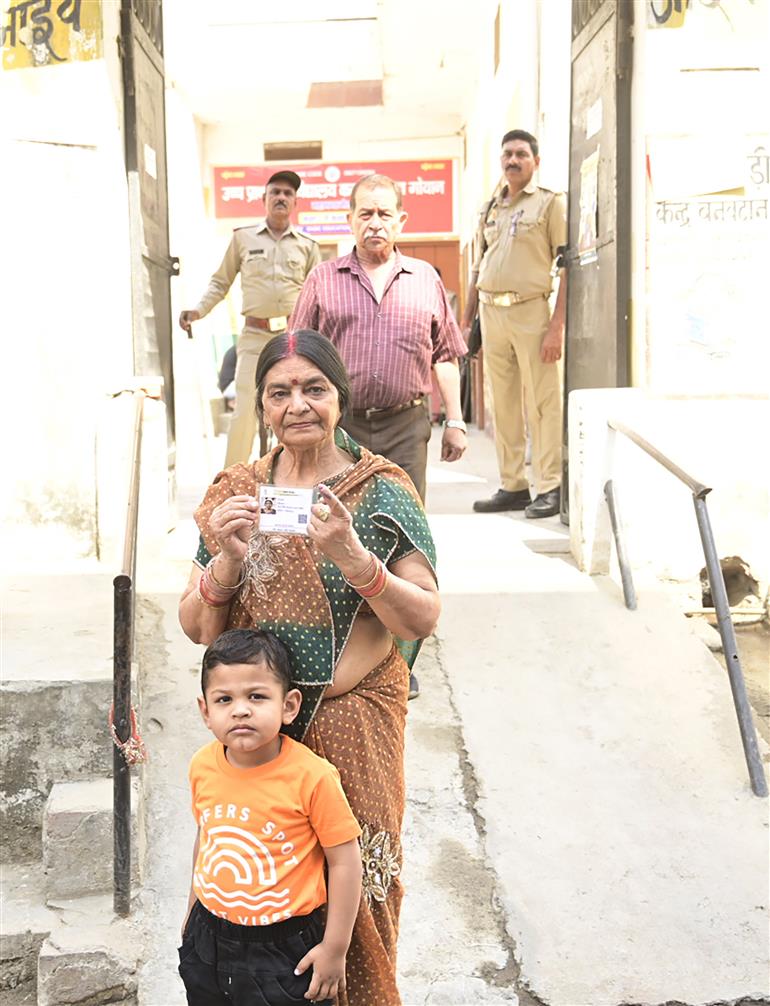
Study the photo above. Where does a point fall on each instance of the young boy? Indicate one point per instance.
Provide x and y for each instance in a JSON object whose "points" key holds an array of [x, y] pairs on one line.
{"points": [[269, 813]]}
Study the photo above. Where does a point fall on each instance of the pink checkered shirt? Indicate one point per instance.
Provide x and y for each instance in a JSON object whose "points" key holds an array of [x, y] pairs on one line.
{"points": [[388, 348]]}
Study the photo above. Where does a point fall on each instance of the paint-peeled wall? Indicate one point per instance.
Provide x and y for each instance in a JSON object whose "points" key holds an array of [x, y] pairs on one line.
{"points": [[700, 362], [523, 84], [195, 239], [702, 82], [65, 267]]}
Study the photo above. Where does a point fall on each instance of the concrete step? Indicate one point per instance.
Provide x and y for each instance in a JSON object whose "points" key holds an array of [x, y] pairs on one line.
{"points": [[95, 966], [25, 922], [78, 838], [56, 694], [22, 996], [57, 950]]}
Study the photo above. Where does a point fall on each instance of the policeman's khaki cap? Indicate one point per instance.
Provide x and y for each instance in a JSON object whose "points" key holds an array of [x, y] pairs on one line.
{"points": [[286, 176]]}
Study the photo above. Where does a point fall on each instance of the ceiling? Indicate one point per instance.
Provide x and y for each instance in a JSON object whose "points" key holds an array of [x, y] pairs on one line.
{"points": [[235, 60]]}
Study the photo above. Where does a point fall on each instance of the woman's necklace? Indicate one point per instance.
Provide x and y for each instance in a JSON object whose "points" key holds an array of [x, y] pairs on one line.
{"points": [[333, 480], [330, 482]]}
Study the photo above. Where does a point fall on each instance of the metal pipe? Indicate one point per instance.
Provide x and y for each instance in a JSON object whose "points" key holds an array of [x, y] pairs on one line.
{"points": [[721, 606], [132, 509], [629, 593], [730, 648], [121, 773], [758, 614], [697, 488], [123, 650]]}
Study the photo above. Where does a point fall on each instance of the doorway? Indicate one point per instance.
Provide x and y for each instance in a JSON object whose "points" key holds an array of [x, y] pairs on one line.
{"points": [[442, 255]]}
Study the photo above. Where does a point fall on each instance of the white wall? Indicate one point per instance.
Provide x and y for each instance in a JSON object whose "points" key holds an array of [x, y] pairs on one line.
{"points": [[229, 144], [699, 349], [200, 243], [65, 269], [553, 106], [530, 90], [656, 509], [700, 108]]}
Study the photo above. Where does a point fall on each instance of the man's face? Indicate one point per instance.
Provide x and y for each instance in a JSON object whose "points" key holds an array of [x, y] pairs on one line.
{"points": [[518, 163], [280, 200], [376, 221]]}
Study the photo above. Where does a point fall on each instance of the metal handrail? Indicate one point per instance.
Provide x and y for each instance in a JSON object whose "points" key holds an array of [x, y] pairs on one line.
{"points": [[718, 593], [124, 609], [697, 488]]}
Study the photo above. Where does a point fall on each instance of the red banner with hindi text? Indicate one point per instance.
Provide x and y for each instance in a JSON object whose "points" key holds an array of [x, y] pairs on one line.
{"points": [[323, 200]]}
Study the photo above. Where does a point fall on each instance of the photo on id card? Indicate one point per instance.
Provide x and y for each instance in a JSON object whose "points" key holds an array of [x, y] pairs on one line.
{"points": [[284, 510]]}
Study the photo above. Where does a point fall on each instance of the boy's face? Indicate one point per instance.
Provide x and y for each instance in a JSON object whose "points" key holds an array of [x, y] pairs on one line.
{"points": [[245, 707]]}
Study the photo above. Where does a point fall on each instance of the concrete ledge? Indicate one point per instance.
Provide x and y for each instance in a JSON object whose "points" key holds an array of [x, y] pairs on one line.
{"points": [[56, 694], [29, 917], [78, 839], [25, 922], [717, 441], [18, 958], [592, 460], [49, 731], [78, 967]]}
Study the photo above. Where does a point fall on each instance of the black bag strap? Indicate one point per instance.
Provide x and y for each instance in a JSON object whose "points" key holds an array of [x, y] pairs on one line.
{"points": [[487, 211], [474, 341]]}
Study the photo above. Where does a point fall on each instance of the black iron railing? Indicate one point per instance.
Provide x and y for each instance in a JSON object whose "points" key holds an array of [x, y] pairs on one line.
{"points": [[123, 652], [718, 594]]}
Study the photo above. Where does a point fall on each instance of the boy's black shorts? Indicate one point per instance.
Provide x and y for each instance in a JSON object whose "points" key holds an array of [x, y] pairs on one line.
{"points": [[224, 964]]}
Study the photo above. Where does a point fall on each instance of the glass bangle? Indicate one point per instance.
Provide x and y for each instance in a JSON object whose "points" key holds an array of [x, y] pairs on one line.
{"points": [[224, 586], [365, 586]]}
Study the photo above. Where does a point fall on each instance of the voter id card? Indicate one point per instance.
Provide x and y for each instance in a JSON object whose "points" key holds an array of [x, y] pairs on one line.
{"points": [[284, 510]]}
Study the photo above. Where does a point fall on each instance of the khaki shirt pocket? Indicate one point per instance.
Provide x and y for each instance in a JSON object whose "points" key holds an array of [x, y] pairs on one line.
{"points": [[257, 267], [528, 228], [295, 267], [491, 233], [524, 228]]}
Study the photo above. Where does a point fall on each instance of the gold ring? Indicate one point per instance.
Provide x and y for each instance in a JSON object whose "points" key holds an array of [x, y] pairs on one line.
{"points": [[323, 515]]}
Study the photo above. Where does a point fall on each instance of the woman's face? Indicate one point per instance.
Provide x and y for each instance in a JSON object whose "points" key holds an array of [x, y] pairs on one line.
{"points": [[300, 403]]}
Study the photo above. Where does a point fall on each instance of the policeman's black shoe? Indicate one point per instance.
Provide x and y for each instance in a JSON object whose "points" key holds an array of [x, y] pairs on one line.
{"points": [[504, 500], [545, 504], [414, 686]]}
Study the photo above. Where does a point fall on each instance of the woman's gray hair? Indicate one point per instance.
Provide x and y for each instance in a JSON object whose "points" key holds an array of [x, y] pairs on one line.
{"points": [[314, 347]]}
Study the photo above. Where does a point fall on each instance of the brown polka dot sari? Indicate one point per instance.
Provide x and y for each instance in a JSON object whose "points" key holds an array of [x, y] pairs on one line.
{"points": [[295, 592]]}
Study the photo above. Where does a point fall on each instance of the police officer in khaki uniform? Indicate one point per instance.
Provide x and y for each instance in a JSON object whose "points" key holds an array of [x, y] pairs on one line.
{"points": [[523, 233], [274, 260]]}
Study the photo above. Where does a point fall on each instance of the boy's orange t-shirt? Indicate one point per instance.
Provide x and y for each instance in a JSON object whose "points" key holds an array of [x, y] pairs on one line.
{"points": [[262, 830]]}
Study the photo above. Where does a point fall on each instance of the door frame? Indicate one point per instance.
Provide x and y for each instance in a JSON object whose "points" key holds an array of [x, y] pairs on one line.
{"points": [[588, 17], [141, 24]]}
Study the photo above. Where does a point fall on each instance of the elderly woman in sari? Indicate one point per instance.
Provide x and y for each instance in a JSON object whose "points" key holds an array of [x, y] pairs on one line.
{"points": [[352, 599]]}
